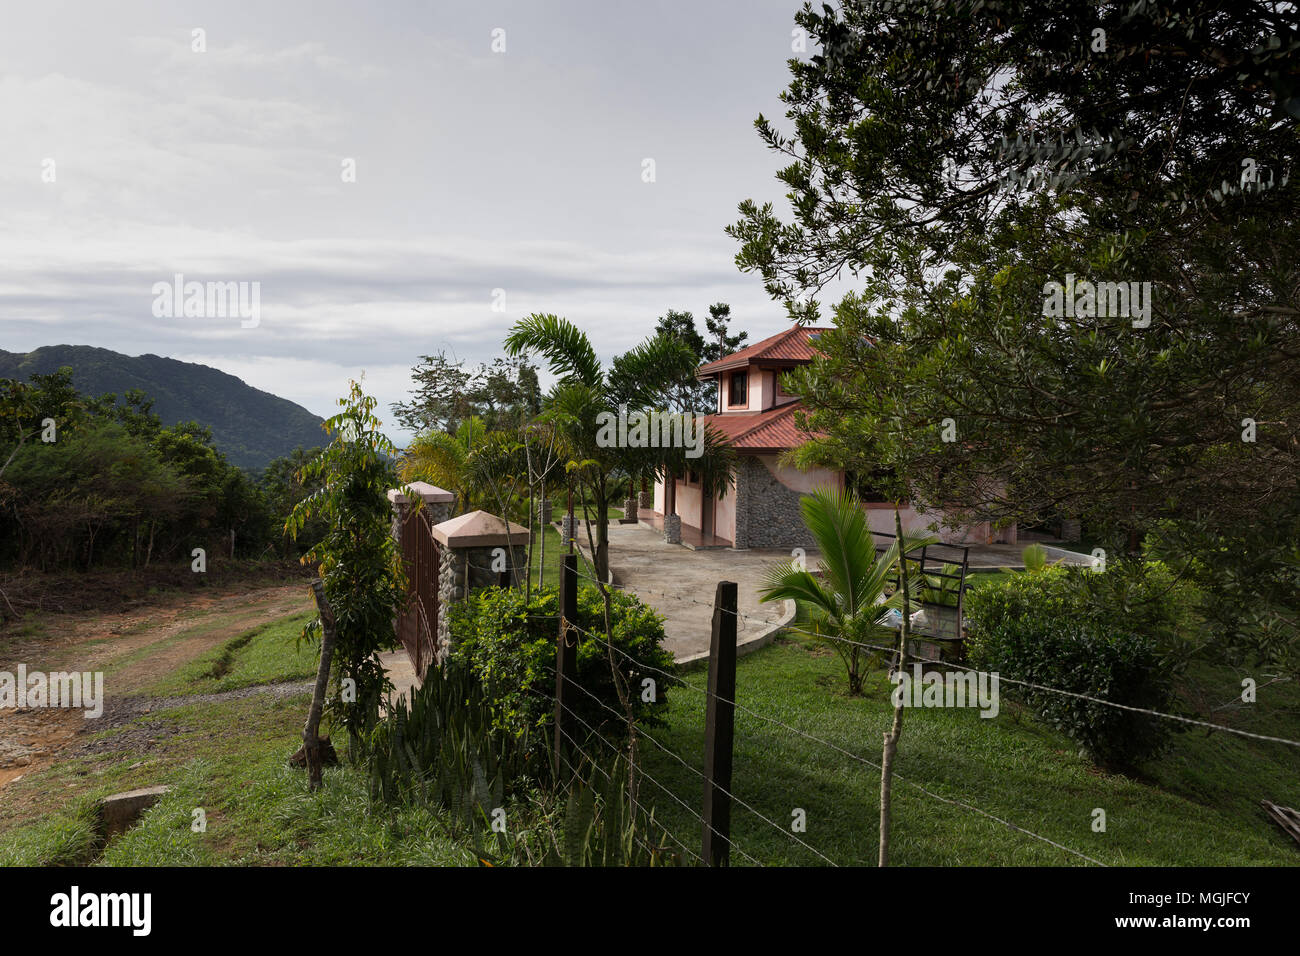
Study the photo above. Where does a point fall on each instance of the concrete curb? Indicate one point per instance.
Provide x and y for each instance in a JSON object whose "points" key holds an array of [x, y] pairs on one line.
{"points": [[1072, 557], [761, 639]]}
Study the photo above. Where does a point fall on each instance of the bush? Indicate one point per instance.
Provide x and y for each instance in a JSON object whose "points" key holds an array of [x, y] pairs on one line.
{"points": [[444, 750], [510, 646], [1062, 628]]}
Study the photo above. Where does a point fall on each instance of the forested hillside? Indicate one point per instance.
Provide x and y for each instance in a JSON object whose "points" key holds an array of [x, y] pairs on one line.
{"points": [[249, 426]]}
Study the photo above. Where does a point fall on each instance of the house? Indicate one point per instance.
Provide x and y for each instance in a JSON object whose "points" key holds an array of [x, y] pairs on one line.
{"points": [[761, 508]]}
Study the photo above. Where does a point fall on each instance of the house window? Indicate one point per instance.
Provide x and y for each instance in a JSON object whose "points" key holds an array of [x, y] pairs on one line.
{"points": [[738, 394], [869, 487]]}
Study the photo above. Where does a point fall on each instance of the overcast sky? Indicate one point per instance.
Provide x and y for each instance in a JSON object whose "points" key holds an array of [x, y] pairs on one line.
{"points": [[475, 171]]}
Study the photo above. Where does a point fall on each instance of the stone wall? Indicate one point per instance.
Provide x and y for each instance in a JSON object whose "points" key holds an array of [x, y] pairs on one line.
{"points": [[481, 575], [767, 512], [446, 594]]}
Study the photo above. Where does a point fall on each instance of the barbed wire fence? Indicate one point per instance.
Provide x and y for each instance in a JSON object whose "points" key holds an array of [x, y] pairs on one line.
{"points": [[711, 808], [721, 706]]}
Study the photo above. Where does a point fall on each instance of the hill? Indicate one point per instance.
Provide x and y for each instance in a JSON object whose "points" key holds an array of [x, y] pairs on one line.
{"points": [[250, 426]]}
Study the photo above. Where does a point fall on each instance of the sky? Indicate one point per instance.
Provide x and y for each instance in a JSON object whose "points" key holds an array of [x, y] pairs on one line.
{"points": [[489, 184]]}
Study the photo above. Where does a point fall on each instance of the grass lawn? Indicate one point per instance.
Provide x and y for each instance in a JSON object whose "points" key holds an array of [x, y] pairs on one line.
{"points": [[1199, 805], [555, 549], [228, 759], [266, 654]]}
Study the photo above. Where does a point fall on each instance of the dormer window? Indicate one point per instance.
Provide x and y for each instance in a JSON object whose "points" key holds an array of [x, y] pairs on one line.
{"points": [[738, 392]]}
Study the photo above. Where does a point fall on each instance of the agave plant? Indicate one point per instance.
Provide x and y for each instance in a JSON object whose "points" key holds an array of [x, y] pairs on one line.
{"points": [[852, 596]]}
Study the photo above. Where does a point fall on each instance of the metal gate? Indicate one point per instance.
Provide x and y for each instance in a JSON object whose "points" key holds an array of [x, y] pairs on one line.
{"points": [[417, 624]]}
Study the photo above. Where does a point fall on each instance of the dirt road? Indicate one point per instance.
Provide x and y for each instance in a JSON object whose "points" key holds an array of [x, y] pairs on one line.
{"points": [[133, 648]]}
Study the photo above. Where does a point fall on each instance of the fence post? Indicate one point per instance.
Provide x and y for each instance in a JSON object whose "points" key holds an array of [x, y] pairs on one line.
{"points": [[719, 727], [566, 656]]}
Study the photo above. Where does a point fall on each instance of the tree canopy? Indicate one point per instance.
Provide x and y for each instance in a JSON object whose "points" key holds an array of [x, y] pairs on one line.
{"points": [[1072, 230]]}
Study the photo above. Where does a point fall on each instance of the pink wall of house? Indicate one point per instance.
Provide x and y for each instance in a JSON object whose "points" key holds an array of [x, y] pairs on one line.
{"points": [[688, 503], [724, 515], [880, 517], [801, 481]]}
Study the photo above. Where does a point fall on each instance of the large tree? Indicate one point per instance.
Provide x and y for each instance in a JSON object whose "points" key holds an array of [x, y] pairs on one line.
{"points": [[954, 159], [503, 393], [690, 394]]}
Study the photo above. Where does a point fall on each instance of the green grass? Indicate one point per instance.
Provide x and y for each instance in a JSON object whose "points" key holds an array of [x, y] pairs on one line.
{"points": [[67, 839], [555, 550], [1199, 805], [229, 760], [266, 654]]}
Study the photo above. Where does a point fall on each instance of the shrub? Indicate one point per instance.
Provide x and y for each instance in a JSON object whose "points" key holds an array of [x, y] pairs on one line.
{"points": [[509, 643], [1060, 628], [443, 749]]}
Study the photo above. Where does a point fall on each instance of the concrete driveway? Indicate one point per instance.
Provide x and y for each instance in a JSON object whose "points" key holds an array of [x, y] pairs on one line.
{"points": [[680, 584]]}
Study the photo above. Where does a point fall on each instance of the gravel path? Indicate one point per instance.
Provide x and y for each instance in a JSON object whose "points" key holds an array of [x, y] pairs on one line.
{"points": [[122, 711]]}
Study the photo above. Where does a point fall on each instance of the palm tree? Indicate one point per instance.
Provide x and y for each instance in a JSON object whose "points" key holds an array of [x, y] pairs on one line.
{"points": [[848, 600], [638, 380], [443, 460]]}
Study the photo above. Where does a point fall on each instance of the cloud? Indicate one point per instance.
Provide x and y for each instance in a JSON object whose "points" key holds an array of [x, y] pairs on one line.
{"points": [[475, 172]]}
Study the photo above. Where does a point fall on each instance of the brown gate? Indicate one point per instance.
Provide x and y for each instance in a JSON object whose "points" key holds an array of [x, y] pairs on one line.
{"points": [[417, 625]]}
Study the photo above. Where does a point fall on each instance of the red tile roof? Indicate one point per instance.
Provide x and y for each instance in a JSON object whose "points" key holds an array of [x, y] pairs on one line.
{"points": [[791, 347], [774, 430]]}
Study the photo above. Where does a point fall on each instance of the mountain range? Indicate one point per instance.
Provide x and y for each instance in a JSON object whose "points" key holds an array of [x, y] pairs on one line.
{"points": [[250, 426]]}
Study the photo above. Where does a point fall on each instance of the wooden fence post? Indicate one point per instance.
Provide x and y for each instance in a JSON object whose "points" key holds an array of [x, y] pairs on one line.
{"points": [[566, 657], [719, 727]]}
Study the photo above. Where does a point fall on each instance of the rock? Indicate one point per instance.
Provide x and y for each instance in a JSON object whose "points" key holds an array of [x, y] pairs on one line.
{"points": [[120, 811]]}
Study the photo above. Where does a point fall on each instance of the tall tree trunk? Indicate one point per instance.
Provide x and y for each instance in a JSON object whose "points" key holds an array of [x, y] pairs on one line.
{"points": [[311, 732], [891, 738], [541, 560], [573, 531], [528, 567]]}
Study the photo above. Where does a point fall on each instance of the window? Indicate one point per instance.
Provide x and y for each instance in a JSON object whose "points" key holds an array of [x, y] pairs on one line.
{"points": [[738, 394], [868, 487]]}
